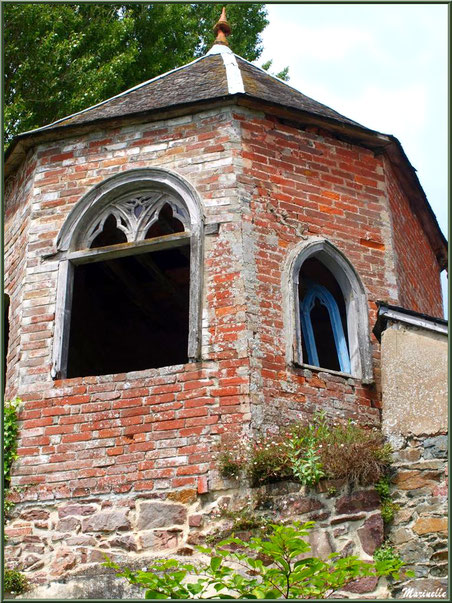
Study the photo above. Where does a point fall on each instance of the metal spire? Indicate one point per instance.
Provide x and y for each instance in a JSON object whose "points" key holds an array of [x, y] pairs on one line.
{"points": [[222, 29]]}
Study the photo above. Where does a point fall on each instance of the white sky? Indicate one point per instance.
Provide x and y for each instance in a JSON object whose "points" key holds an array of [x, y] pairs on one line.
{"points": [[382, 65]]}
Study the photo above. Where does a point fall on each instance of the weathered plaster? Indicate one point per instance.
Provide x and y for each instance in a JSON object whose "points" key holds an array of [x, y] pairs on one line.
{"points": [[414, 381]]}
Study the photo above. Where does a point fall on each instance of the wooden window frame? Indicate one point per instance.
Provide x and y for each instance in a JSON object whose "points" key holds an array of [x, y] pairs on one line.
{"points": [[72, 238]]}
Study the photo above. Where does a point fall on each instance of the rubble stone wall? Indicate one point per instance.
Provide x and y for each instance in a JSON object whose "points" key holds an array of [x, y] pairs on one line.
{"points": [[61, 544]]}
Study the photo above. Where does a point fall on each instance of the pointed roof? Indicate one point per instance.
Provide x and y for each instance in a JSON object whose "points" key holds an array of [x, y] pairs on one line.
{"points": [[218, 74], [222, 76]]}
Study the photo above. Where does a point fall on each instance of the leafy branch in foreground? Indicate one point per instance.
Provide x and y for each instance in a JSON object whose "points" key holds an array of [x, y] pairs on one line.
{"points": [[276, 566]]}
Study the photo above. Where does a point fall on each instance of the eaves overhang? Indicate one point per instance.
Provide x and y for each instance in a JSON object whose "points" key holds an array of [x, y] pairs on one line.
{"points": [[390, 314]]}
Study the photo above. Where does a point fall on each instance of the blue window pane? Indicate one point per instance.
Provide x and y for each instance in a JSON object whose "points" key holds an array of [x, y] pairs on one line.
{"points": [[313, 306]]}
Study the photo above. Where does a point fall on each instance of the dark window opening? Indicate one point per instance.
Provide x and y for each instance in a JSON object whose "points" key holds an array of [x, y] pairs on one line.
{"points": [[324, 338], [6, 302], [110, 235], [313, 272], [165, 225], [130, 313]]}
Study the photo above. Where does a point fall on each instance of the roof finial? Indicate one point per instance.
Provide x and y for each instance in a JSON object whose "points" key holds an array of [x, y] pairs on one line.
{"points": [[222, 29]]}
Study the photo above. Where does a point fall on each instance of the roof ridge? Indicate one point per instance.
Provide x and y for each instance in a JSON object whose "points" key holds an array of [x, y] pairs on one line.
{"points": [[107, 100]]}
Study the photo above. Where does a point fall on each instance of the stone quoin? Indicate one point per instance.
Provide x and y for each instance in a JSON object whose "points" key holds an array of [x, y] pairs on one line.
{"points": [[159, 247]]}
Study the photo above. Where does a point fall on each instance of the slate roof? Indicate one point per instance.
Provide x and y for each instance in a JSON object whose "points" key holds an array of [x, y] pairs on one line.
{"points": [[202, 80]]}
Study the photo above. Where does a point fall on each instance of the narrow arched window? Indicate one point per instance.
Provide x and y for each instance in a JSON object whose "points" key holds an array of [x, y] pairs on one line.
{"points": [[129, 277], [326, 317], [322, 330]]}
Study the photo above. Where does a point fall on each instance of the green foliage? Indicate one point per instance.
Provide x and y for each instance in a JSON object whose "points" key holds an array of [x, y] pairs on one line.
{"points": [[309, 453], [388, 507], [276, 567], [302, 452], [14, 582], [60, 58], [10, 431], [386, 553], [282, 75]]}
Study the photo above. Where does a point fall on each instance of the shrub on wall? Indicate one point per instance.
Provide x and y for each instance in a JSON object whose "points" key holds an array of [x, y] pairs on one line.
{"points": [[275, 567], [309, 453]]}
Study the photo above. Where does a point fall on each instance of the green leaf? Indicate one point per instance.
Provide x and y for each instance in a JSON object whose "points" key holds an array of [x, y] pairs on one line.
{"points": [[155, 594], [215, 563]]}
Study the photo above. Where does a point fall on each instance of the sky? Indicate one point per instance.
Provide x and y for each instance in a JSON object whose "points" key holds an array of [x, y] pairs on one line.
{"points": [[382, 65]]}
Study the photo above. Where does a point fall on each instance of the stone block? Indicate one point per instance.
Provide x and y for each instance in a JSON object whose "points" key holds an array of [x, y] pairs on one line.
{"points": [[160, 539], [160, 515], [442, 555], [435, 447], [320, 544], [108, 521], [415, 551], [69, 524], [189, 495], [363, 585], [413, 480], [64, 560], [400, 535], [365, 500], [372, 533], [296, 504], [33, 514], [344, 518], [125, 542], [427, 525], [76, 509], [195, 521]]}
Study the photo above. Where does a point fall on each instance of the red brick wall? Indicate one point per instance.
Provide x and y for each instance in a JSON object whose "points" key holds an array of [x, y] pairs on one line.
{"points": [[418, 275], [268, 185], [24, 306], [150, 429], [303, 184]]}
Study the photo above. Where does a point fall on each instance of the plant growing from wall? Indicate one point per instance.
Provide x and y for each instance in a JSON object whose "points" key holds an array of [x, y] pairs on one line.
{"points": [[386, 553], [274, 567], [309, 453], [388, 506], [10, 432], [14, 582]]}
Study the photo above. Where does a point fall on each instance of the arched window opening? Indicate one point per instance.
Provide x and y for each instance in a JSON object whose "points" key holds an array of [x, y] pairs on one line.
{"points": [[323, 318], [326, 314], [133, 311], [124, 308]]}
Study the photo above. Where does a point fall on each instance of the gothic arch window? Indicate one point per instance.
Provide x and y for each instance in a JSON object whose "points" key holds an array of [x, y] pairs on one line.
{"points": [[130, 273], [326, 316]]}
